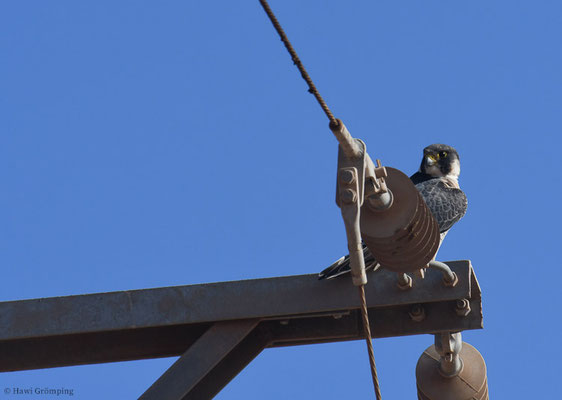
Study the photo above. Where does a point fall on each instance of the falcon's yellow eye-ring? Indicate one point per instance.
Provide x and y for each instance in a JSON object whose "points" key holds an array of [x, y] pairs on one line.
{"points": [[442, 154]]}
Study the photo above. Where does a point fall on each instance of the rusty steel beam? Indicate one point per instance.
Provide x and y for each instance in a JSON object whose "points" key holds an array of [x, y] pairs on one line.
{"points": [[254, 298], [164, 322], [231, 365], [200, 359]]}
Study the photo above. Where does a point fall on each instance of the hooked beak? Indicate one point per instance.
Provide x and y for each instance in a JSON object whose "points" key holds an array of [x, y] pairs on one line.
{"points": [[431, 159]]}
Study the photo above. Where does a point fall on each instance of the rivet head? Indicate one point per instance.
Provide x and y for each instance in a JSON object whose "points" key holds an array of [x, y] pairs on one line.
{"points": [[347, 176], [405, 282], [348, 196], [417, 313], [463, 307]]}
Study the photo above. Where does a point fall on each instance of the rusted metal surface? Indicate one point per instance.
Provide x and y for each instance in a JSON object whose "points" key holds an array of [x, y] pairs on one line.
{"points": [[192, 304], [463, 307], [163, 322], [200, 359], [231, 365], [417, 313], [97, 347]]}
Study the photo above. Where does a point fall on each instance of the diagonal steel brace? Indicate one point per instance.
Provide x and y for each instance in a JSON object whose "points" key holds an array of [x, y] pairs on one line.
{"points": [[188, 377]]}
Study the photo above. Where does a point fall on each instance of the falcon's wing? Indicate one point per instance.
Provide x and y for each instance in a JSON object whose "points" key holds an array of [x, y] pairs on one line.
{"points": [[448, 204], [342, 266]]}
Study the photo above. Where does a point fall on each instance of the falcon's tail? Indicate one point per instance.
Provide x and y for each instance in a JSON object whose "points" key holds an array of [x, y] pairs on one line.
{"points": [[342, 266]]}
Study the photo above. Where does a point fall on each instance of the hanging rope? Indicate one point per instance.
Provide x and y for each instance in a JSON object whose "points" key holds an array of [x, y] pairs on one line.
{"points": [[311, 88], [367, 330], [334, 123]]}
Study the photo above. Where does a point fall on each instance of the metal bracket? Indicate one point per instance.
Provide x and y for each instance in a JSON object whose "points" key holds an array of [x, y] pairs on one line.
{"points": [[355, 169], [349, 197], [449, 346], [449, 277]]}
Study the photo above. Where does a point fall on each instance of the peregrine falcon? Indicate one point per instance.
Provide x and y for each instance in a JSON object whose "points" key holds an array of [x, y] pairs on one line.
{"points": [[438, 182]]}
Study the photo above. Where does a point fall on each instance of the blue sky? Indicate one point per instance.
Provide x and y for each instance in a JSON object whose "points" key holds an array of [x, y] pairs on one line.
{"points": [[148, 144]]}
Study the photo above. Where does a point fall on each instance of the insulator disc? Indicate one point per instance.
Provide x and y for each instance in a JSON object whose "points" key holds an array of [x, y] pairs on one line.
{"points": [[470, 384], [404, 237]]}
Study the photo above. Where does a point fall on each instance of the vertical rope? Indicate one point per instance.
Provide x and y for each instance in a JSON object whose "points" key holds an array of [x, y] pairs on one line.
{"points": [[367, 330]]}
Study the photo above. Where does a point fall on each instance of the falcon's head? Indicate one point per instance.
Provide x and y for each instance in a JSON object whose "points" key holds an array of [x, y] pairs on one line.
{"points": [[440, 160]]}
